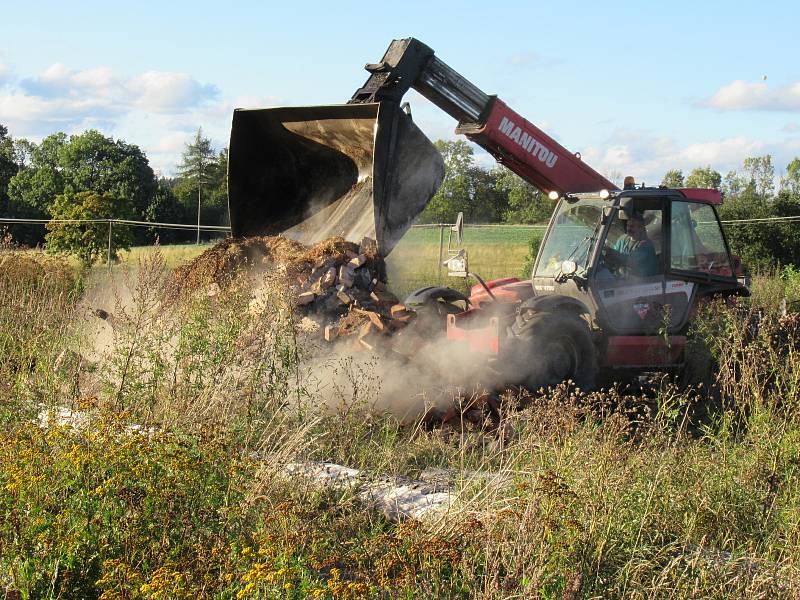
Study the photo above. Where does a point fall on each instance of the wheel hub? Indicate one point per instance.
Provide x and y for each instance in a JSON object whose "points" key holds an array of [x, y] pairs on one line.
{"points": [[561, 359]]}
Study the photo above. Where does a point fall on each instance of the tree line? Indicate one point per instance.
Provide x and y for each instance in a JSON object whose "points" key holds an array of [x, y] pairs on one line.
{"points": [[93, 176]]}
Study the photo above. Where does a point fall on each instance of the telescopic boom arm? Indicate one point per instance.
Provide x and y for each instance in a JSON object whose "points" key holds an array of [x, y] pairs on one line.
{"points": [[484, 119]]}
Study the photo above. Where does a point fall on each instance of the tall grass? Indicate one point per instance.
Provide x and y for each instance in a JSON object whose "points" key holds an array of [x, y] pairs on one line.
{"points": [[674, 492]]}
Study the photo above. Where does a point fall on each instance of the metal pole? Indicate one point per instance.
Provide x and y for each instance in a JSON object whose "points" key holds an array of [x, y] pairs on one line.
{"points": [[199, 186], [108, 255], [441, 248]]}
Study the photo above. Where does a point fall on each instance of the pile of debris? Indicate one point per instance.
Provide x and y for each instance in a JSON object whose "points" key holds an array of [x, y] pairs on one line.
{"points": [[347, 290], [338, 284]]}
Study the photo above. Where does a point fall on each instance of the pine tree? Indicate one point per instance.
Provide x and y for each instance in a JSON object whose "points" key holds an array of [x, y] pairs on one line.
{"points": [[199, 169]]}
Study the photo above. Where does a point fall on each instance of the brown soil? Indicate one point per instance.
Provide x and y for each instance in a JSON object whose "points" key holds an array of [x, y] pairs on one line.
{"points": [[335, 249], [351, 323], [221, 264]]}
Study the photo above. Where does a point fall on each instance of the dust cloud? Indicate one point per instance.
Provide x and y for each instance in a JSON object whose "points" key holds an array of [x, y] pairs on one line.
{"points": [[438, 375]]}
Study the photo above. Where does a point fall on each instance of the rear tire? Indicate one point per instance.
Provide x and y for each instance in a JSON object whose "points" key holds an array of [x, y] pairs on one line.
{"points": [[553, 347]]}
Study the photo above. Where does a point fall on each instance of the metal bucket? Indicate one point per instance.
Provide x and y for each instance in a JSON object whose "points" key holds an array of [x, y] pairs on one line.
{"points": [[351, 170]]}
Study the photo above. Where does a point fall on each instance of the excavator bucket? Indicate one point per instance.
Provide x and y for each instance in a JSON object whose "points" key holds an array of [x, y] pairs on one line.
{"points": [[351, 170]]}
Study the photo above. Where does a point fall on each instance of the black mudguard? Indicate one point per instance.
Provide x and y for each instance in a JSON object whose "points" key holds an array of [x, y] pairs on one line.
{"points": [[427, 295], [554, 303]]}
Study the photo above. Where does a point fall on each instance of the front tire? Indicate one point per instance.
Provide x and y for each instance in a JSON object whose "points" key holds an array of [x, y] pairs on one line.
{"points": [[551, 347]]}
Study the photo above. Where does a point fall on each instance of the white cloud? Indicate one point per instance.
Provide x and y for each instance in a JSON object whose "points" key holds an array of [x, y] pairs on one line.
{"points": [[64, 99], [157, 91], [17, 107], [726, 151], [171, 143], [57, 81], [647, 158], [5, 73], [791, 128], [743, 95]]}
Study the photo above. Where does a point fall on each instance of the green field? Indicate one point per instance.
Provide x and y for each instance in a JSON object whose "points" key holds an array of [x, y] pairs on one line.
{"points": [[493, 252], [174, 255]]}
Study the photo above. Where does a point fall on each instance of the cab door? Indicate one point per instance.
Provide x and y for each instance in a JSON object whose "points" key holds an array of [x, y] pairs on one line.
{"points": [[631, 296], [698, 256]]}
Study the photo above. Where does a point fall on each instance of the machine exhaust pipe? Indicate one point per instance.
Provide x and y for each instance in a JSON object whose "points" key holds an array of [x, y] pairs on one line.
{"points": [[310, 173]]}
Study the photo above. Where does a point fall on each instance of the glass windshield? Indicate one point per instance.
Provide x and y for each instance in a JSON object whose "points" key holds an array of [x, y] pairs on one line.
{"points": [[570, 237]]}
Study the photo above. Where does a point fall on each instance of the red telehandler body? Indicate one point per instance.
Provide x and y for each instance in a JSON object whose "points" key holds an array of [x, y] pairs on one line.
{"points": [[364, 168]]}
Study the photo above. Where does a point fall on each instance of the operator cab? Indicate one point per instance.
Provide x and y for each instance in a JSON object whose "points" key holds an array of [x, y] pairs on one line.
{"points": [[637, 258]]}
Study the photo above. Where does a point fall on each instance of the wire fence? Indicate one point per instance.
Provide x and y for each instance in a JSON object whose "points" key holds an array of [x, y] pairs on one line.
{"points": [[111, 223], [442, 228]]}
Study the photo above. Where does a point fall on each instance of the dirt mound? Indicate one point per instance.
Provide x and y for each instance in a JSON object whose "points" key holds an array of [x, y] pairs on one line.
{"points": [[221, 264], [332, 250], [233, 257], [339, 285]]}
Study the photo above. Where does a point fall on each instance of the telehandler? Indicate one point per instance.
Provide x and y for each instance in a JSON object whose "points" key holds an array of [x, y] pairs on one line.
{"points": [[619, 273]]}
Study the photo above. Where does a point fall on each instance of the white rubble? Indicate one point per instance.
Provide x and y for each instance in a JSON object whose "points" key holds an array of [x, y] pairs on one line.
{"points": [[397, 498]]}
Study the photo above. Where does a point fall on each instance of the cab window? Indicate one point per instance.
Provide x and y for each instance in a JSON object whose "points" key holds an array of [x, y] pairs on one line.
{"points": [[633, 246], [696, 242]]}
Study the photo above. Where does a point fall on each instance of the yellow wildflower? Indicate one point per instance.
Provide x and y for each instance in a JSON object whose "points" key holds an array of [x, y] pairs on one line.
{"points": [[245, 590]]}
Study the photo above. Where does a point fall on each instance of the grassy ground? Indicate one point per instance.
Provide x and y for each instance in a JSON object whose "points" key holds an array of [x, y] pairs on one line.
{"points": [[173, 255], [681, 492], [494, 252]]}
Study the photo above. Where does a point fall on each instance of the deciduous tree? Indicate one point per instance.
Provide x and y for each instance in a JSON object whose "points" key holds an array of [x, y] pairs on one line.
{"points": [[8, 168], [89, 162], [673, 178], [88, 241], [454, 194], [524, 203], [761, 175], [704, 177], [790, 183]]}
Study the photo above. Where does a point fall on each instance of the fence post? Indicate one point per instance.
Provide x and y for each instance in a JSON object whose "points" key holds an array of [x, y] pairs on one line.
{"points": [[441, 249], [199, 186], [108, 256]]}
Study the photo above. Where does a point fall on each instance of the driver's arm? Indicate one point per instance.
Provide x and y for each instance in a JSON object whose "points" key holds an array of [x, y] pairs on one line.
{"points": [[615, 256]]}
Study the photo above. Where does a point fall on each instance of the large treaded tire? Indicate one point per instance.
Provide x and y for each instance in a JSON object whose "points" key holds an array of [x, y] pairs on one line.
{"points": [[551, 347]]}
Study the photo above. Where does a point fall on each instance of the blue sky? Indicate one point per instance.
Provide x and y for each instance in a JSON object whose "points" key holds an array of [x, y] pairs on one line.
{"points": [[636, 87]]}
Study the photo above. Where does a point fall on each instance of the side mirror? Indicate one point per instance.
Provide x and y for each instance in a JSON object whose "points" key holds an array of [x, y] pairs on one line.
{"points": [[457, 266], [608, 214], [458, 228], [626, 206]]}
